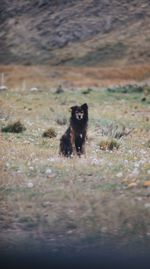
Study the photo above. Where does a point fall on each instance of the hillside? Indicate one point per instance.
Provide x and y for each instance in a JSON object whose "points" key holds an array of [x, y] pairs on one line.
{"points": [[73, 32]]}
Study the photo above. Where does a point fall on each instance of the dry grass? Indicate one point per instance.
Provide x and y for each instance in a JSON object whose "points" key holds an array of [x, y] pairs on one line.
{"points": [[51, 133], [52, 197], [26, 77], [108, 144]]}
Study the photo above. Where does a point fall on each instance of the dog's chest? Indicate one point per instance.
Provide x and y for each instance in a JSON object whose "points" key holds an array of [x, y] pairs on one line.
{"points": [[79, 135]]}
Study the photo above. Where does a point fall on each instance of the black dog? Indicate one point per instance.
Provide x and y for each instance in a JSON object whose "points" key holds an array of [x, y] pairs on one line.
{"points": [[73, 141]]}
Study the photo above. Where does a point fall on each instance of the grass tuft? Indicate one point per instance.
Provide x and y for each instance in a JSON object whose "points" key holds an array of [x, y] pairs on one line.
{"points": [[147, 144], [108, 144], [51, 133], [59, 90], [127, 89], [87, 91], [16, 127], [115, 131]]}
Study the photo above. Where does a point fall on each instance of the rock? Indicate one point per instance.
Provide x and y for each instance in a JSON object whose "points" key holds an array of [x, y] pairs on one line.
{"points": [[3, 88], [34, 89]]}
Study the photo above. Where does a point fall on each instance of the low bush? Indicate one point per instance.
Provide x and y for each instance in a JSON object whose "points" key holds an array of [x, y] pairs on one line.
{"points": [[108, 144], [50, 133], [16, 127]]}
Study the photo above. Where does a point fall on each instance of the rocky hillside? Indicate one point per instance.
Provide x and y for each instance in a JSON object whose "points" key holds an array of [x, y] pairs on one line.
{"points": [[75, 32]]}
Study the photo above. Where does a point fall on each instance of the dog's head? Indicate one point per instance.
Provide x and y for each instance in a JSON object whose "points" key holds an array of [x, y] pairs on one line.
{"points": [[79, 113]]}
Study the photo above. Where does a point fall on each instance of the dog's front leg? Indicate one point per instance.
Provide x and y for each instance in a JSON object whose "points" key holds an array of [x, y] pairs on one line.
{"points": [[72, 139]]}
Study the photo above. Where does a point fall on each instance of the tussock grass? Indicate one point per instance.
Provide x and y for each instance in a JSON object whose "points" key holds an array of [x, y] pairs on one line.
{"points": [[16, 127], [108, 144], [147, 144], [115, 131], [59, 90], [87, 91], [127, 89], [51, 133]]}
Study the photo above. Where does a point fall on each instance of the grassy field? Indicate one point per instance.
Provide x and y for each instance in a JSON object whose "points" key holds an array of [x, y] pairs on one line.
{"points": [[79, 201]]}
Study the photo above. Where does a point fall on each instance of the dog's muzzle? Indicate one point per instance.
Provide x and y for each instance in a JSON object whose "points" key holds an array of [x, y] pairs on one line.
{"points": [[79, 115]]}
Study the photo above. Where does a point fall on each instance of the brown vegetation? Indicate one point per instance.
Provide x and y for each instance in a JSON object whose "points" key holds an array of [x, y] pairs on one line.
{"points": [[25, 77]]}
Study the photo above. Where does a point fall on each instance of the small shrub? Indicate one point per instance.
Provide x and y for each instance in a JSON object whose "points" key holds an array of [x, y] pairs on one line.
{"points": [[147, 144], [146, 90], [16, 127], [126, 89], [59, 90], [143, 99], [108, 144], [87, 91], [115, 131], [146, 94], [50, 133]]}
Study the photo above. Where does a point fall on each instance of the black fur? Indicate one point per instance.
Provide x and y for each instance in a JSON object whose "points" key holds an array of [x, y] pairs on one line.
{"points": [[73, 141]]}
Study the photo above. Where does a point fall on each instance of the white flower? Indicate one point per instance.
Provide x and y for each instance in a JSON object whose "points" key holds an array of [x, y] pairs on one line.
{"points": [[137, 164], [95, 161], [30, 184], [31, 168], [135, 172], [119, 174], [126, 162], [48, 171]]}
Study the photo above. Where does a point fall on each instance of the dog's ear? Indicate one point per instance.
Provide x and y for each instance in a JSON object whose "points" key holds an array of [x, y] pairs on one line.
{"points": [[84, 107], [72, 108]]}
